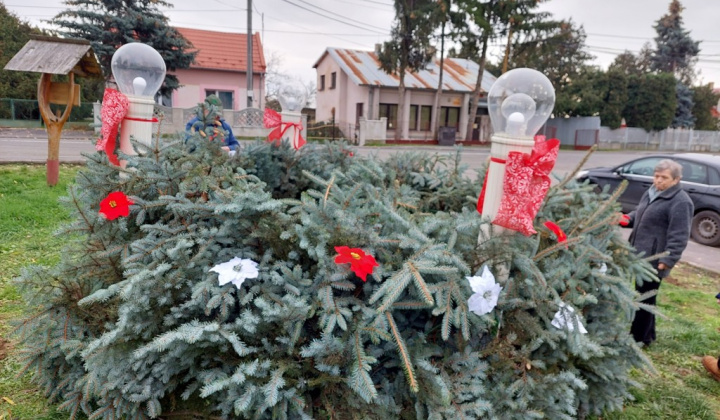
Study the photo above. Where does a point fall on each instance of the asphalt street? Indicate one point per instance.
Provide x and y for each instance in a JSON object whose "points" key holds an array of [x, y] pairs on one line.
{"points": [[31, 146]]}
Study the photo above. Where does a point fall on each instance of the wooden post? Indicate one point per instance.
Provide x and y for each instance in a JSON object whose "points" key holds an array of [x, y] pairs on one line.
{"points": [[53, 123]]}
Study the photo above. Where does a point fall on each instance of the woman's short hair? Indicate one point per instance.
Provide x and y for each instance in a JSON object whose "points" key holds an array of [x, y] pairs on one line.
{"points": [[667, 164]]}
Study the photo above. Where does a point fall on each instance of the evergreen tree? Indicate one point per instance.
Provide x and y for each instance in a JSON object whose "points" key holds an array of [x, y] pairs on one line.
{"points": [[110, 24], [704, 99], [683, 113], [409, 47], [675, 51], [135, 323]]}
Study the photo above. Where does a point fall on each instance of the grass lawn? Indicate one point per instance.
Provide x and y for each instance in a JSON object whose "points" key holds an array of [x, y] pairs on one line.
{"points": [[29, 213]]}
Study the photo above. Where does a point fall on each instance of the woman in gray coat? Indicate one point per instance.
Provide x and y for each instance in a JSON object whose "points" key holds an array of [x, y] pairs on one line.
{"points": [[661, 223]]}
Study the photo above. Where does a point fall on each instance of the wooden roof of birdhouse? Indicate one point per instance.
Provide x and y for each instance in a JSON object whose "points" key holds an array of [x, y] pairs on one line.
{"points": [[44, 54]]}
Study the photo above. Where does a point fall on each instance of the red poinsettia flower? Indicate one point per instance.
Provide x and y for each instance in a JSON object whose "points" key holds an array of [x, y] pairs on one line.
{"points": [[561, 237], [360, 263], [116, 204]]}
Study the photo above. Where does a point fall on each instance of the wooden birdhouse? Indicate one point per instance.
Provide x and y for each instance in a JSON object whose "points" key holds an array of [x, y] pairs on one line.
{"points": [[62, 56]]}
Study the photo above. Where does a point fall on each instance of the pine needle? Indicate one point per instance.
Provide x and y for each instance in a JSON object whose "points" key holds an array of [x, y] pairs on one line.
{"points": [[407, 364]]}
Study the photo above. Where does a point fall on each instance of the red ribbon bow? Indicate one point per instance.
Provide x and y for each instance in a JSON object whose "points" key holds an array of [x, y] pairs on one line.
{"points": [[114, 109], [525, 185], [272, 119]]}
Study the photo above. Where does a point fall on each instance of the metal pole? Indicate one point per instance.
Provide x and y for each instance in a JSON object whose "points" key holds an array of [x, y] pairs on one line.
{"points": [[249, 74]]}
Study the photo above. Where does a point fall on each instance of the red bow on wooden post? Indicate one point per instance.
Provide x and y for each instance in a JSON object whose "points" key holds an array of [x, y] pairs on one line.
{"points": [[272, 119], [114, 109], [525, 185]]}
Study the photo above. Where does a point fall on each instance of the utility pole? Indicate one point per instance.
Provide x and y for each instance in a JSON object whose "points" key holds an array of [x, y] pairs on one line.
{"points": [[249, 73]]}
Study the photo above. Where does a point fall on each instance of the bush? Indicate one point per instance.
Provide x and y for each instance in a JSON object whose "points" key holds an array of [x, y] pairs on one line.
{"points": [[134, 324]]}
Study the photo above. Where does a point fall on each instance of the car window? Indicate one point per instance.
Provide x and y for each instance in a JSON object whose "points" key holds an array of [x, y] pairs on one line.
{"points": [[694, 172], [713, 176], [641, 166]]}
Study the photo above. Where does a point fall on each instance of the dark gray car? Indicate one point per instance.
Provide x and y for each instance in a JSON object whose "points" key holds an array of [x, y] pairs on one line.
{"points": [[700, 179]]}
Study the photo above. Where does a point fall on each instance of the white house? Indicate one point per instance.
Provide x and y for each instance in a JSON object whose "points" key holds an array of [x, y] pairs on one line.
{"points": [[351, 85]]}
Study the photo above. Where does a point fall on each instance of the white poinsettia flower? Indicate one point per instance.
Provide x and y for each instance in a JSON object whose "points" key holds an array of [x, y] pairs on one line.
{"points": [[485, 292], [565, 318], [236, 271], [603, 268]]}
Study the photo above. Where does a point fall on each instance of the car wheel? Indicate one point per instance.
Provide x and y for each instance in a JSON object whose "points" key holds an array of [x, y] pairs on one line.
{"points": [[706, 228]]}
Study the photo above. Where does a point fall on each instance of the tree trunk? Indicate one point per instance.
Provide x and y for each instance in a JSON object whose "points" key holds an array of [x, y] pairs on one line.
{"points": [[436, 118], [507, 50], [478, 86], [400, 121]]}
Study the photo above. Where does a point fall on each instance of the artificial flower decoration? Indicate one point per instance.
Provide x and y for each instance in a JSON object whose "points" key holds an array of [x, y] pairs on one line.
{"points": [[603, 268], [624, 220], [561, 237], [116, 204], [361, 263], [565, 318], [236, 271], [485, 292]]}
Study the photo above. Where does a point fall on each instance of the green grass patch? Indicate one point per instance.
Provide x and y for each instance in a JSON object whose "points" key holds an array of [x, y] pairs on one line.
{"points": [[681, 389], [29, 214]]}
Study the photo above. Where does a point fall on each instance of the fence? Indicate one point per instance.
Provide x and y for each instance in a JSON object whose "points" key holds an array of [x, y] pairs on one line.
{"points": [[28, 110], [665, 140]]}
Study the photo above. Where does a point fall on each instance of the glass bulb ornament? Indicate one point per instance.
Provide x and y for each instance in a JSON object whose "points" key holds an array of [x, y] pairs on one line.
{"points": [[292, 96], [138, 69], [519, 103]]}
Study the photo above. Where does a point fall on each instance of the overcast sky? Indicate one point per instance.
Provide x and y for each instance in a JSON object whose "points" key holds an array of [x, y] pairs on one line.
{"points": [[298, 31]]}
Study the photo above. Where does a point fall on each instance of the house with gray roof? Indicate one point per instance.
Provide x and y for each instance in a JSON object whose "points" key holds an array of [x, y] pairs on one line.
{"points": [[351, 86]]}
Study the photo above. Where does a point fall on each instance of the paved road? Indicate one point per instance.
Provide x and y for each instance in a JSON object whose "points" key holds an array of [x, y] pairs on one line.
{"points": [[31, 146]]}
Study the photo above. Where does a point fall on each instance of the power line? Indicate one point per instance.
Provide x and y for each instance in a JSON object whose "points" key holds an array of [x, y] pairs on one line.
{"points": [[341, 16], [329, 17], [362, 5]]}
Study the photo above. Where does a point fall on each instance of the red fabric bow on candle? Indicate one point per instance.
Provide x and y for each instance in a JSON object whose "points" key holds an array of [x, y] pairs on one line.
{"points": [[272, 119], [114, 109], [525, 185]]}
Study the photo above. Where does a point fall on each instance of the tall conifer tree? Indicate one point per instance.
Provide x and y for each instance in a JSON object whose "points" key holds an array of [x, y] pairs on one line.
{"points": [[676, 54], [109, 24]]}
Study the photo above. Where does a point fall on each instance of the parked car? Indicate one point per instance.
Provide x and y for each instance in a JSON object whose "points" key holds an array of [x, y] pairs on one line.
{"points": [[700, 179]]}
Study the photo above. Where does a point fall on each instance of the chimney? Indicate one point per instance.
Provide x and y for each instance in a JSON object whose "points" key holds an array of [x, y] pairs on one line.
{"points": [[378, 48]]}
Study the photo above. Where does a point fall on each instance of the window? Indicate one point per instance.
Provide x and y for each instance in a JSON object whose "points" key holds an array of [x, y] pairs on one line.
{"points": [[322, 82], [449, 117], [645, 167], [358, 112], [413, 117], [425, 116], [389, 111], [694, 172], [333, 80], [226, 97]]}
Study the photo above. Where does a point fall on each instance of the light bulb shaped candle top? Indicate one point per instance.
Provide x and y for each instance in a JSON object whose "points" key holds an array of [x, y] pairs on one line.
{"points": [[138, 69], [519, 103], [292, 96]]}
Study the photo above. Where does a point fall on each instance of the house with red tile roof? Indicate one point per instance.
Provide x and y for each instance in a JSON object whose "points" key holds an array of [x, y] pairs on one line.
{"points": [[220, 68], [351, 86]]}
